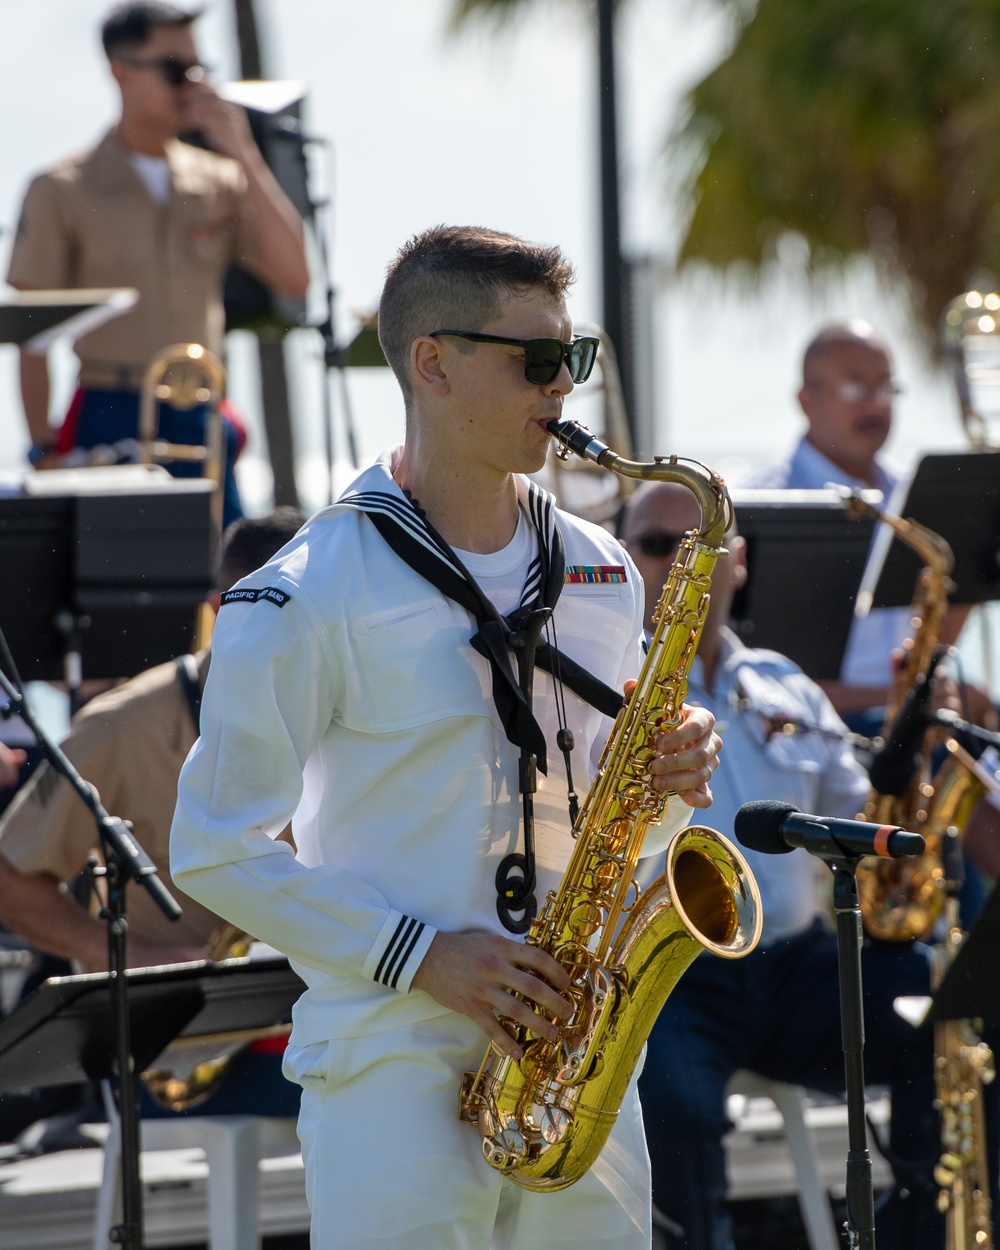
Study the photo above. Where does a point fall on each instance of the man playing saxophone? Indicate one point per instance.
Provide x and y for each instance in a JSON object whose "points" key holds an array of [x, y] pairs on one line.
{"points": [[430, 779], [776, 1012]]}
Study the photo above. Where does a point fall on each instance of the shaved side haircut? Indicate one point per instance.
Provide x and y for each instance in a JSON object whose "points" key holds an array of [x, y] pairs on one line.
{"points": [[457, 278]]}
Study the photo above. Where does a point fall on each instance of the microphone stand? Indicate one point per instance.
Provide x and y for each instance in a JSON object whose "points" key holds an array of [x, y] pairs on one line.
{"points": [[334, 355], [860, 1190], [124, 860]]}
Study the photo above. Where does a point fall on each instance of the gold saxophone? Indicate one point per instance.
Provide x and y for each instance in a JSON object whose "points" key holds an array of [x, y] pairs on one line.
{"points": [[901, 898], [545, 1118], [963, 1064]]}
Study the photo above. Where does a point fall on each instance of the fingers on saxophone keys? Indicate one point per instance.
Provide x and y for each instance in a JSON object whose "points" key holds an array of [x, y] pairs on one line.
{"points": [[536, 1003]]}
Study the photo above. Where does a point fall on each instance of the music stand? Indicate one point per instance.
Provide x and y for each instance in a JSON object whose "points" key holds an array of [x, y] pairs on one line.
{"points": [[971, 986], [956, 494], [805, 560], [35, 319], [62, 1033], [111, 576]]}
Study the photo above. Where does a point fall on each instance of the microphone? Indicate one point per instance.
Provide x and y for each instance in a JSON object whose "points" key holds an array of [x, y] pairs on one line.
{"points": [[955, 722], [775, 828], [894, 766]]}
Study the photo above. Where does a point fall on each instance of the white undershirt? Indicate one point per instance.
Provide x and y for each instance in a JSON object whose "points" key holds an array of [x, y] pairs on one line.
{"points": [[154, 172], [501, 574]]}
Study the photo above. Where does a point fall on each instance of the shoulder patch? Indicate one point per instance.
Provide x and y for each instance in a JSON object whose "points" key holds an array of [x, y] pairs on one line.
{"points": [[253, 594], [595, 573]]}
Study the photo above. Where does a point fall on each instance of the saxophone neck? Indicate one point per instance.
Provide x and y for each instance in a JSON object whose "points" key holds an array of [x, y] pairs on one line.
{"points": [[707, 487]]}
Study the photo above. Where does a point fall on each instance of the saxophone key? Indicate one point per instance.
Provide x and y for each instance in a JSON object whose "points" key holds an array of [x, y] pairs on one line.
{"points": [[550, 1123], [505, 1149]]}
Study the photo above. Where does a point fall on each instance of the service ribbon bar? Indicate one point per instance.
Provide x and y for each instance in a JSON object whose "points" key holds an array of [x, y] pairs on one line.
{"points": [[594, 573]]}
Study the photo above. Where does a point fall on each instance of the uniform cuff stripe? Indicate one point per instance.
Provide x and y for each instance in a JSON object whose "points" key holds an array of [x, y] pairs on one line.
{"points": [[402, 938]]}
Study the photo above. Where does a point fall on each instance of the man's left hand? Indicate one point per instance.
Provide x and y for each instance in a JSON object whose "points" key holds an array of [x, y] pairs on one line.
{"points": [[686, 756]]}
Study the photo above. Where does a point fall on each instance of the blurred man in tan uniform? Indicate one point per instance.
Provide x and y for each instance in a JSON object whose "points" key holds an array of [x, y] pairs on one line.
{"points": [[130, 743], [144, 210]]}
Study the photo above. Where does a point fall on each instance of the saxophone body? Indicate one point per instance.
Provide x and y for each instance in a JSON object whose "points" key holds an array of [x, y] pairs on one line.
{"points": [[544, 1118], [902, 898], [963, 1064]]}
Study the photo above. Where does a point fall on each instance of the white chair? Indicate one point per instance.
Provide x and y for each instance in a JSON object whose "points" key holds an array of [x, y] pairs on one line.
{"points": [[813, 1198], [233, 1146]]}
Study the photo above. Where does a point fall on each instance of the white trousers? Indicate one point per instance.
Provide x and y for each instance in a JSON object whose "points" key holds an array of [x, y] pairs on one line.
{"points": [[389, 1164]]}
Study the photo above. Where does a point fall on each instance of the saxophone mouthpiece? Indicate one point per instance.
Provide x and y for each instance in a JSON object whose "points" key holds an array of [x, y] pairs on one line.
{"points": [[577, 438]]}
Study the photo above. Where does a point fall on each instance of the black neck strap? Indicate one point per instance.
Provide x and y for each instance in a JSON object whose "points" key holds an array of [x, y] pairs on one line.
{"points": [[412, 537]]}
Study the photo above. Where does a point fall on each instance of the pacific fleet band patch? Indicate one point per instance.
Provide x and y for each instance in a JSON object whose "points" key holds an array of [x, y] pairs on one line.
{"points": [[595, 573], [253, 594]]}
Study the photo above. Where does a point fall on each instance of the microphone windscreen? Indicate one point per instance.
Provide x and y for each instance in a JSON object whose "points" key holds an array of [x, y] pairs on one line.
{"points": [[758, 826]]}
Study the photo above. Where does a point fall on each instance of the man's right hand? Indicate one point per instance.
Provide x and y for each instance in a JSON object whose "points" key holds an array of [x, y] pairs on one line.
{"points": [[478, 973], [11, 759], [51, 460]]}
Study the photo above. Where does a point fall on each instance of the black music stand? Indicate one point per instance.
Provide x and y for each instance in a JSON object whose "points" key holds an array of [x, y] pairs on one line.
{"points": [[971, 986], [805, 561], [956, 494], [62, 1033], [35, 319], [113, 579]]}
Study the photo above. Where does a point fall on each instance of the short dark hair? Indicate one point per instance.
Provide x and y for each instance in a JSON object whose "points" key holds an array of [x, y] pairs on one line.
{"points": [[455, 277], [129, 25], [251, 541]]}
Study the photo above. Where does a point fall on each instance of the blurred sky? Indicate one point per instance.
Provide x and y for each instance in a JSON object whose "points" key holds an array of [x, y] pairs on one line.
{"points": [[484, 127], [497, 128]]}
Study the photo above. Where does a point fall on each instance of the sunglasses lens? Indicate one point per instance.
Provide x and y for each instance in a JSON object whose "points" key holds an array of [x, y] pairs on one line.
{"points": [[658, 546], [542, 360], [177, 72], [581, 357]]}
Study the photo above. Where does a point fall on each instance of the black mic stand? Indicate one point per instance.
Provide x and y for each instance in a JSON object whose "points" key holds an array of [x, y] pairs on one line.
{"points": [[124, 860], [334, 356], [860, 1191]]}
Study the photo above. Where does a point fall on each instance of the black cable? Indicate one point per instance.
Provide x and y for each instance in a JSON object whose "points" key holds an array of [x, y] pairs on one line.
{"points": [[565, 740]]}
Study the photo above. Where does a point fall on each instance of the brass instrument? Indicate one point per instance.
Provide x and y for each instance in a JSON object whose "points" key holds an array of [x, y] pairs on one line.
{"points": [[545, 1118], [185, 375], [196, 1067], [902, 898], [970, 338], [963, 1064]]}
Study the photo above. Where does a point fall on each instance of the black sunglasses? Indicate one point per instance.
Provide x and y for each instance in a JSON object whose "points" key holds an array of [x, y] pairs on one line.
{"points": [[543, 358], [657, 544], [175, 71]]}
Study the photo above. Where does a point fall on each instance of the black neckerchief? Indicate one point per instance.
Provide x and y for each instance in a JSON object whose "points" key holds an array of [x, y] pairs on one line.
{"points": [[406, 529], [408, 532]]}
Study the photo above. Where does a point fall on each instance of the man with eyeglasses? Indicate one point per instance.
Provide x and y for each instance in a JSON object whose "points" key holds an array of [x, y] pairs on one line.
{"points": [[366, 681], [144, 210], [776, 1012], [846, 396]]}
